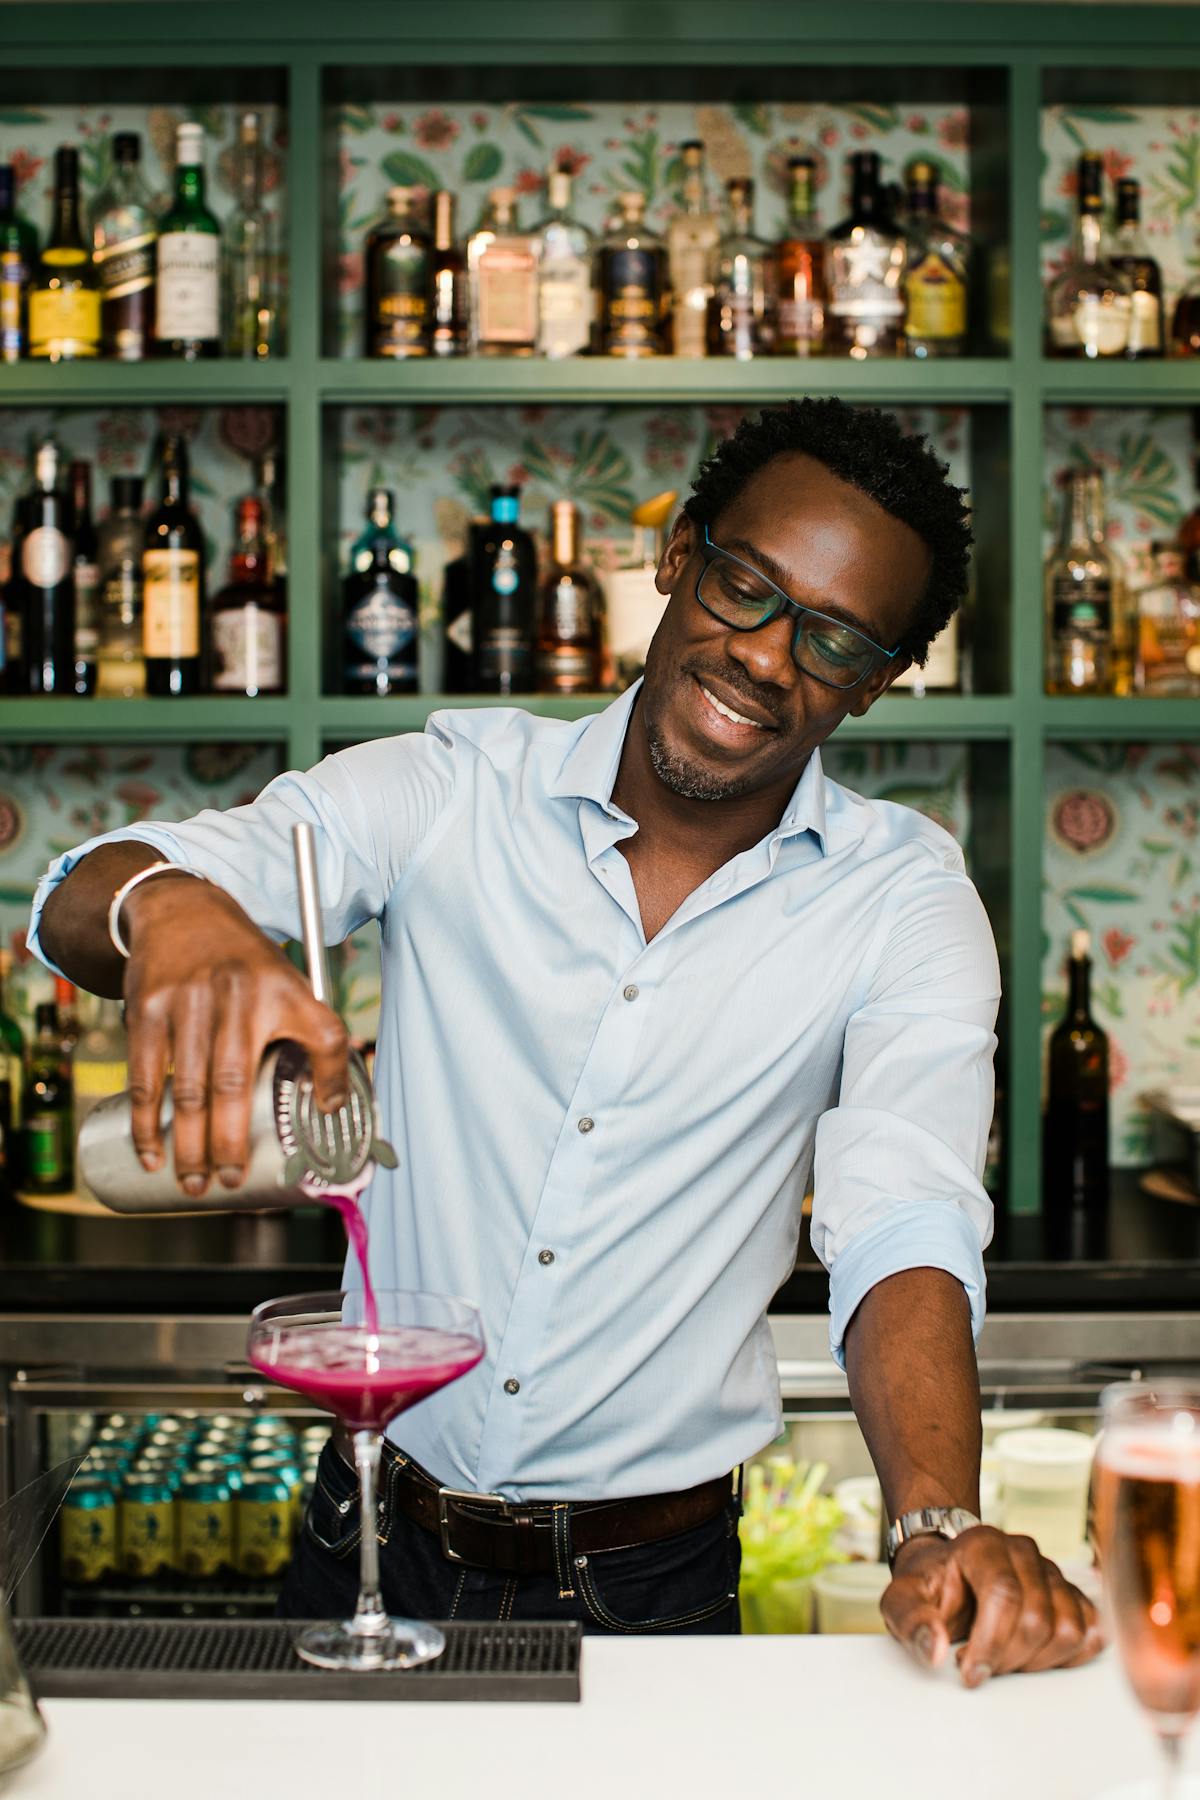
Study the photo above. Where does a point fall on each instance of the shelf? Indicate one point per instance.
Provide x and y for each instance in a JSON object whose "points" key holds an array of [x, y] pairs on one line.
{"points": [[1171, 382], [146, 383], [49, 721], [659, 379], [1130, 720]]}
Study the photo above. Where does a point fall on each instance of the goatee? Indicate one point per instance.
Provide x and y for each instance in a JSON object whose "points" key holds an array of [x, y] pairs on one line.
{"points": [[689, 780]]}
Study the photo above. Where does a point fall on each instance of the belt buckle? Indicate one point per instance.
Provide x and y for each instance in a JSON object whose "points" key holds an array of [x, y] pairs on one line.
{"points": [[445, 1496]]}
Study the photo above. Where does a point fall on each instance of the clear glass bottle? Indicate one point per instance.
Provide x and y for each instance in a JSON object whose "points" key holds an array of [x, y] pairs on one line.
{"points": [[937, 273], [741, 312], [867, 259], [18, 260], [634, 604], [47, 591], [247, 621], [502, 263], [399, 269], [379, 609], [1167, 650], [85, 577], [124, 235], [251, 266], [188, 310], [800, 267], [632, 274], [570, 613], [1088, 305], [504, 572], [450, 326], [1081, 596], [120, 662], [566, 273], [1131, 254], [692, 238], [64, 302]]}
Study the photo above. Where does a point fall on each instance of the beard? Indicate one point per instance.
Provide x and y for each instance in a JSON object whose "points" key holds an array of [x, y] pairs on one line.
{"points": [[690, 780]]}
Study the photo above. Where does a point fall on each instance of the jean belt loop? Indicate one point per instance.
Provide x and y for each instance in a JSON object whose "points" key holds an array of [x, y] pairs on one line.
{"points": [[564, 1556]]}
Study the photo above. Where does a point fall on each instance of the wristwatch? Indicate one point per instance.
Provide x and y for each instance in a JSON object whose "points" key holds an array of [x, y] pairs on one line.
{"points": [[930, 1521]]}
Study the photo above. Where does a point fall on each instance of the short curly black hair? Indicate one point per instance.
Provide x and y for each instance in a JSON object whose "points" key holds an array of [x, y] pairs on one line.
{"points": [[868, 448]]}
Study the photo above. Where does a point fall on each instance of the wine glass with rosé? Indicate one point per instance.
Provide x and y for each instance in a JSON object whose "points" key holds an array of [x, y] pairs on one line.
{"points": [[1146, 1489], [366, 1357]]}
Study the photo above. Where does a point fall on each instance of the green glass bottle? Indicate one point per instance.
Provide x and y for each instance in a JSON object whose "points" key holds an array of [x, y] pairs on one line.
{"points": [[49, 1141], [18, 259], [188, 313], [64, 298], [12, 1070]]}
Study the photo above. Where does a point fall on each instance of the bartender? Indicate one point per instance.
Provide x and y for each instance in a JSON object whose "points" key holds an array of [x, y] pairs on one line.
{"points": [[644, 976]]}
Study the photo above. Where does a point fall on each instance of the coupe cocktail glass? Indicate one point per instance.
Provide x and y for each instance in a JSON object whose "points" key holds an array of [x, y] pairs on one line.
{"points": [[321, 1346]]}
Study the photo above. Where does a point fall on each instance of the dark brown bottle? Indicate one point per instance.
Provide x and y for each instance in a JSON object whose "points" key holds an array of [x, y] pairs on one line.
{"points": [[450, 333], [85, 577], [567, 649], [1075, 1140], [173, 583], [247, 620], [399, 272], [1131, 254]]}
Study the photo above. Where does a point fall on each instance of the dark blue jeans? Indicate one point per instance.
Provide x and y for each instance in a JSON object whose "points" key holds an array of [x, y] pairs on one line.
{"points": [[687, 1583]]}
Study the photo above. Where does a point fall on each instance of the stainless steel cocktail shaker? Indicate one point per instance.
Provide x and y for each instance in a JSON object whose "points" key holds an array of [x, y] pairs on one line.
{"points": [[297, 1152]]}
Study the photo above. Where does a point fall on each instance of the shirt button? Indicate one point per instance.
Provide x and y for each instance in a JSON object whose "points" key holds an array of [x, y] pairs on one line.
{"points": [[512, 1386], [631, 992], [585, 1124], [545, 1257]]}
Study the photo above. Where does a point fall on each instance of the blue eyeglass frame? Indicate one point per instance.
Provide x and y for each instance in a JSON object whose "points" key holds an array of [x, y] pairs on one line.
{"points": [[709, 553]]}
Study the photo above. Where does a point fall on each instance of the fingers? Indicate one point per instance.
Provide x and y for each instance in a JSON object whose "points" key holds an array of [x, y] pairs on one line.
{"points": [[1078, 1631], [192, 1020], [327, 1041], [237, 1048], [149, 1048], [1015, 1612], [920, 1604]]}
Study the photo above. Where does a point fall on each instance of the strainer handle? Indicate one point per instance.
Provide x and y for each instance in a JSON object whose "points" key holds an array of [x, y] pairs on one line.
{"points": [[311, 932]]}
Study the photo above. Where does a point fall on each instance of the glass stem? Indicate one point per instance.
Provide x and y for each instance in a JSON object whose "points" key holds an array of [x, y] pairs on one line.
{"points": [[369, 1615], [1172, 1747]]}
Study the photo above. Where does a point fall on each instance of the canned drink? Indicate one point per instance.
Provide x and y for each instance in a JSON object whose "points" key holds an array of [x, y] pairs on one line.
{"points": [[227, 1468], [287, 1467], [263, 1530], [169, 1473], [205, 1515], [87, 1530], [146, 1525]]}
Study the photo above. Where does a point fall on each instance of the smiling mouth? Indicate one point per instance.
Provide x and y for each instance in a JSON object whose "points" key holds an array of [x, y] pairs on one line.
{"points": [[728, 712]]}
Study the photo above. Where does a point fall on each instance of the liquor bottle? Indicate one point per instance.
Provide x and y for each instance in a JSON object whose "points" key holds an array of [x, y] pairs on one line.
{"points": [[800, 268], [399, 277], [1189, 532], [172, 583], [1088, 305], [942, 671], [85, 577], [64, 300], [632, 276], [48, 1135], [5, 585], [12, 656], [48, 601], [1167, 649], [864, 315], [246, 619], [741, 310], [502, 261], [1075, 1141], [251, 299], [1131, 254], [1081, 582], [12, 1081], [634, 603], [66, 1012], [570, 613], [566, 268], [18, 259], [379, 610], [935, 282], [380, 525], [99, 1068], [124, 235], [188, 310], [120, 659], [459, 669], [1185, 321], [450, 333], [692, 238], [270, 486], [505, 582]]}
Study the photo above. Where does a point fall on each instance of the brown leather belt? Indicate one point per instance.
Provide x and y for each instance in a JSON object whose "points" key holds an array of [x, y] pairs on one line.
{"points": [[518, 1537]]}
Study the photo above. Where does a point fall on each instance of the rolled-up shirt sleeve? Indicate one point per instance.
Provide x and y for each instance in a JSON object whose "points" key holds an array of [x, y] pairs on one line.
{"points": [[898, 1160], [370, 808]]}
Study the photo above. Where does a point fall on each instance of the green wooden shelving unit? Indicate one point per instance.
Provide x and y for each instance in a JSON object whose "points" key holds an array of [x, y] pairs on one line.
{"points": [[1004, 62]]}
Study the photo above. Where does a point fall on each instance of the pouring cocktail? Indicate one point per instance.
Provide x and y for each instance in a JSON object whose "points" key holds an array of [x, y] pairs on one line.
{"points": [[321, 1346]]}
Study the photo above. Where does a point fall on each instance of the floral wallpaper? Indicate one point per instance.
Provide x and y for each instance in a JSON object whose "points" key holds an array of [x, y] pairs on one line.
{"points": [[1121, 859], [1159, 146], [1146, 455], [610, 148]]}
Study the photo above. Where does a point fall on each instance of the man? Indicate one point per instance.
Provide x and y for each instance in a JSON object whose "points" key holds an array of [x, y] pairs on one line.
{"points": [[641, 976]]}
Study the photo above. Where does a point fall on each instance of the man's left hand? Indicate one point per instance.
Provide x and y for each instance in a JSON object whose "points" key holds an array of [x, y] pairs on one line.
{"points": [[1015, 1610]]}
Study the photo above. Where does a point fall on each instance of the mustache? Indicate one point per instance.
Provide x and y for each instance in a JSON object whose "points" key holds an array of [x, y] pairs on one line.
{"points": [[738, 682]]}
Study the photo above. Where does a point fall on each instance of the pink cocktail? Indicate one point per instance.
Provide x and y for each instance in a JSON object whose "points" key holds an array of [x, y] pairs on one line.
{"points": [[322, 1346]]}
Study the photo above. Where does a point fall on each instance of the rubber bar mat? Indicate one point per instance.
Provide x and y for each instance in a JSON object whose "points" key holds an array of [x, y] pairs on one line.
{"points": [[252, 1659]]}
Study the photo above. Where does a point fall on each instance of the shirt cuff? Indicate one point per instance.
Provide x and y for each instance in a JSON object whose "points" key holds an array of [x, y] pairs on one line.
{"points": [[168, 847], [920, 1234]]}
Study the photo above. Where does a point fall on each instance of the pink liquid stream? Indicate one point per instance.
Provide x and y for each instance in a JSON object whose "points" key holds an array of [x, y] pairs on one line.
{"points": [[356, 1233]]}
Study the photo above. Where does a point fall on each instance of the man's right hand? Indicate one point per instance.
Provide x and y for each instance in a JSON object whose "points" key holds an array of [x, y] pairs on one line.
{"points": [[206, 990]]}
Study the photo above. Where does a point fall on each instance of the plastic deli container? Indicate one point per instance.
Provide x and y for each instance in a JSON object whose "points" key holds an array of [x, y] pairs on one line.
{"points": [[848, 1596]]}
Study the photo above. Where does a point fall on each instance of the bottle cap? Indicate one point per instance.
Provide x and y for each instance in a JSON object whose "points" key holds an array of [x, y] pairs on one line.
{"points": [[126, 493], [559, 189], [802, 162], [66, 166], [443, 218], [8, 186], [127, 147], [1081, 945], [1129, 200], [564, 532], [400, 199], [64, 991], [249, 514], [189, 144], [45, 1016], [1091, 181]]}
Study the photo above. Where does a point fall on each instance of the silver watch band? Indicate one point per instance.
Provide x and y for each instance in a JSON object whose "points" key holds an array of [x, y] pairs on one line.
{"points": [[928, 1521]]}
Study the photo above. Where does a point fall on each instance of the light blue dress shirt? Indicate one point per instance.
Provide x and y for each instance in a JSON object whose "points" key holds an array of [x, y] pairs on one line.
{"points": [[605, 1141]]}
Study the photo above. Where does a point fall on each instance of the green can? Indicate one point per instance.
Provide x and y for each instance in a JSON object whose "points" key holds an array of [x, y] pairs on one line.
{"points": [[228, 1464], [287, 1466], [146, 1526], [263, 1530], [204, 1509], [87, 1531]]}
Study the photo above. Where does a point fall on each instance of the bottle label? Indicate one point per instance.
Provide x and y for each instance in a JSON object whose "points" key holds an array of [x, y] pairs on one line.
{"points": [[567, 307], [126, 267], [505, 653], [1145, 323], [565, 670], [865, 280], [47, 1147], [64, 322], [1101, 326], [14, 280], [383, 626], [402, 308], [249, 650], [1081, 609], [461, 632], [188, 285], [508, 294], [937, 301], [11, 1077], [86, 579], [171, 604], [45, 557], [97, 1080], [506, 576]]}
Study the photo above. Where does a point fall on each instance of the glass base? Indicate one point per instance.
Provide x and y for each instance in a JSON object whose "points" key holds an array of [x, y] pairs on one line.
{"points": [[399, 1644]]}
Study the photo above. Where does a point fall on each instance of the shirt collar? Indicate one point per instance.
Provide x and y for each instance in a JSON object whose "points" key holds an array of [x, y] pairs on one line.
{"points": [[589, 772]]}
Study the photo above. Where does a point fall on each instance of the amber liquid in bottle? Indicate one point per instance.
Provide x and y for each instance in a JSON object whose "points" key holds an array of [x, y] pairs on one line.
{"points": [[1075, 1141], [568, 643]]}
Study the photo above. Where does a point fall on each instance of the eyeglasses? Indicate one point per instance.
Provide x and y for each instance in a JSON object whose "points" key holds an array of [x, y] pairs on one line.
{"points": [[740, 595]]}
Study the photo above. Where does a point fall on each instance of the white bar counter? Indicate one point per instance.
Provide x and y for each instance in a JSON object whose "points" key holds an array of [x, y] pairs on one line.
{"points": [[679, 1719]]}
